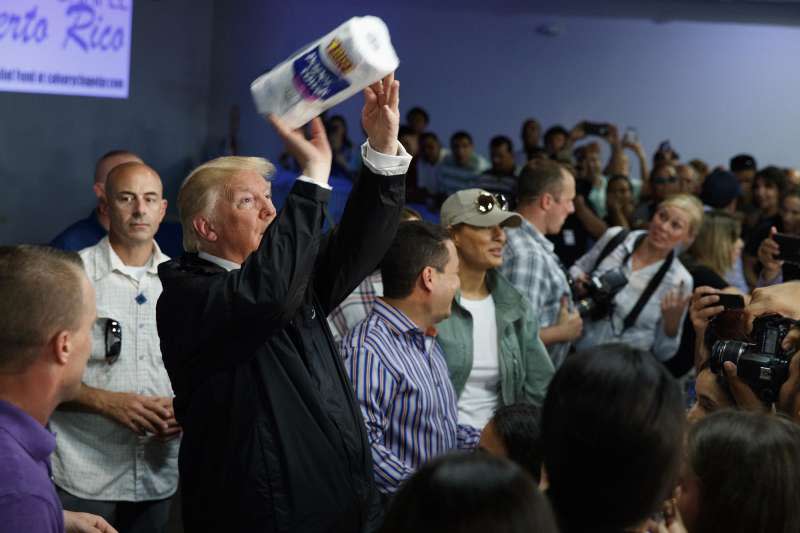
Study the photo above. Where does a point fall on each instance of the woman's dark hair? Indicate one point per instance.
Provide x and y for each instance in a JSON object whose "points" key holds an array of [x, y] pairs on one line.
{"points": [[418, 111], [466, 493], [612, 428], [720, 380], [774, 176], [749, 469], [518, 426], [552, 131]]}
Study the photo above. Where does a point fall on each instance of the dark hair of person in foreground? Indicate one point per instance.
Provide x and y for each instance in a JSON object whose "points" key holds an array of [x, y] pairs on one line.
{"points": [[613, 425], [743, 474], [466, 493], [518, 430]]}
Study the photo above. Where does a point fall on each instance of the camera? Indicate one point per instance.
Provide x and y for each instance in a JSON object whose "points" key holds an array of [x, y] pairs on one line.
{"points": [[760, 361], [601, 291], [596, 128]]}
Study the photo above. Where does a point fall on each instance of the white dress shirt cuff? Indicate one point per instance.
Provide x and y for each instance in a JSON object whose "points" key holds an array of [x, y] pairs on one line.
{"points": [[315, 182], [383, 164]]}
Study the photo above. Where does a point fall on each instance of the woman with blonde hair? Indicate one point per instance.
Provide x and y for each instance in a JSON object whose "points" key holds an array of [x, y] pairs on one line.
{"points": [[714, 251], [647, 309]]}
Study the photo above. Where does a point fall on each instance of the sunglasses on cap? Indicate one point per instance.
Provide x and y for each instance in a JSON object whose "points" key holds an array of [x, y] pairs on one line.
{"points": [[113, 338], [485, 202]]}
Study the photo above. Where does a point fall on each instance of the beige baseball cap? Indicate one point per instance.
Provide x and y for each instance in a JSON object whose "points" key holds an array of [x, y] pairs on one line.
{"points": [[476, 207]]}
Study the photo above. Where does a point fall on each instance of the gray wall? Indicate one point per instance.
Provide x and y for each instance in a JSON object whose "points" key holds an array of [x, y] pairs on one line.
{"points": [[713, 88], [48, 144]]}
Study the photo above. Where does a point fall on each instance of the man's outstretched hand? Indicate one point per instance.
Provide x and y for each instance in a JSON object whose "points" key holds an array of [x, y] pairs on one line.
{"points": [[381, 115], [313, 154]]}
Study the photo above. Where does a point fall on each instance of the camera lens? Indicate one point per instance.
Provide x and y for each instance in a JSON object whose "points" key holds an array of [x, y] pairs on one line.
{"points": [[725, 351]]}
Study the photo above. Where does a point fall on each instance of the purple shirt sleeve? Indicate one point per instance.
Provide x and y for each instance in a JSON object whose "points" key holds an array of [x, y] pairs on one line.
{"points": [[29, 513]]}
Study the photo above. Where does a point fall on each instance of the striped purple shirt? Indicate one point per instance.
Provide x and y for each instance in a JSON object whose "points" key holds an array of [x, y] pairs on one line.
{"points": [[409, 405]]}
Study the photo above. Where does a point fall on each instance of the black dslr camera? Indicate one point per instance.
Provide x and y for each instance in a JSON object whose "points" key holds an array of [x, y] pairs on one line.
{"points": [[760, 361], [601, 291]]}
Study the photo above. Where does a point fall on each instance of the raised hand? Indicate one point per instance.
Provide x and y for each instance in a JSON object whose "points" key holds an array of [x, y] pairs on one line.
{"points": [[381, 114], [673, 304], [768, 250], [613, 135], [313, 154]]}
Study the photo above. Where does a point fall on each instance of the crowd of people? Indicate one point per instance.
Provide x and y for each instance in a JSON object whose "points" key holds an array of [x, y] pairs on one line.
{"points": [[567, 348]]}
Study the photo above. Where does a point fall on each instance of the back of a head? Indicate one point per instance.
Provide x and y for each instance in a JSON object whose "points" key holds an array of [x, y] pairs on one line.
{"points": [[106, 163], [518, 427], [612, 429], [41, 293], [416, 245], [715, 241], [748, 465], [466, 493], [539, 177]]}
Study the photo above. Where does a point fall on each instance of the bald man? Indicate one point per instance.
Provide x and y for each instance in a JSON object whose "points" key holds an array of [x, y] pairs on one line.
{"points": [[117, 450], [88, 231]]}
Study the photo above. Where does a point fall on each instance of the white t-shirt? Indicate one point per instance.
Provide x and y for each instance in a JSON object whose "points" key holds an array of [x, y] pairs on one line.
{"points": [[136, 272], [479, 399]]}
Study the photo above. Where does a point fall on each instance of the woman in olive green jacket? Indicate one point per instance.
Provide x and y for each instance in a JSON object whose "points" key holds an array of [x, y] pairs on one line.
{"points": [[491, 339]]}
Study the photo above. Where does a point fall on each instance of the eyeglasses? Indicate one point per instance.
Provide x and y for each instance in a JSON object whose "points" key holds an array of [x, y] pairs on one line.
{"points": [[113, 339], [485, 202]]}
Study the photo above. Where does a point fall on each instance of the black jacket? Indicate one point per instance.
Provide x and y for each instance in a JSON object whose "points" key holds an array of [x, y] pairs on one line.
{"points": [[274, 440]]}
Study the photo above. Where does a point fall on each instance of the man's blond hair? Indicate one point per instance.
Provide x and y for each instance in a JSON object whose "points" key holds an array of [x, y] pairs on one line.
{"points": [[200, 190]]}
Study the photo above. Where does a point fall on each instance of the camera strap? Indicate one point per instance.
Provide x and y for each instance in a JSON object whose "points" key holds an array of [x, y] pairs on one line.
{"points": [[610, 246], [652, 285]]}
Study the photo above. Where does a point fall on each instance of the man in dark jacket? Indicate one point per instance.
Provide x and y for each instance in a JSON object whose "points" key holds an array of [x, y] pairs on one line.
{"points": [[273, 438]]}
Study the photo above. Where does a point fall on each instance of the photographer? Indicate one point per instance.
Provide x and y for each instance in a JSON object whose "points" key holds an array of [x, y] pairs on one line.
{"points": [[647, 313], [767, 250], [780, 300]]}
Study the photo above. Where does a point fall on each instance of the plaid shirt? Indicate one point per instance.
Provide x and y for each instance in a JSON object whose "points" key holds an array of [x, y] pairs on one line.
{"points": [[97, 458], [530, 264], [356, 306]]}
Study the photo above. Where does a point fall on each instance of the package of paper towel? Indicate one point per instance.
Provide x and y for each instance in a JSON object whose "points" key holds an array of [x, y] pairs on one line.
{"points": [[326, 72]]}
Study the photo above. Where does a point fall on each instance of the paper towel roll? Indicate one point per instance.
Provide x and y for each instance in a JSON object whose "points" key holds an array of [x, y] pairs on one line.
{"points": [[328, 71]]}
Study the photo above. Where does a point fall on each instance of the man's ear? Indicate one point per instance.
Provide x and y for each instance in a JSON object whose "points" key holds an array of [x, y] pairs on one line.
{"points": [[99, 190], [61, 347], [205, 229], [426, 278], [162, 212], [545, 201]]}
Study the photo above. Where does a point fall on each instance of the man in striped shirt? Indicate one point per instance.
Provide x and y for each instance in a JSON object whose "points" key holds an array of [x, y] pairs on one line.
{"points": [[395, 364]]}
